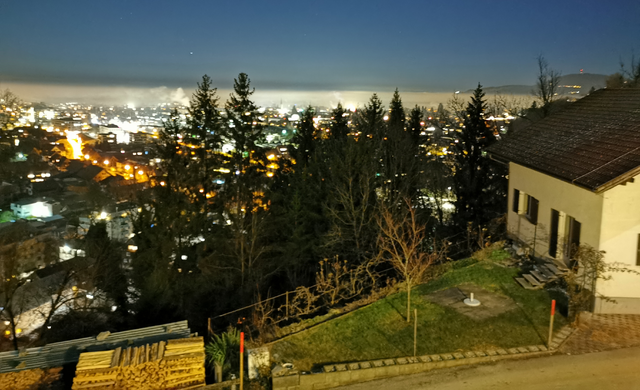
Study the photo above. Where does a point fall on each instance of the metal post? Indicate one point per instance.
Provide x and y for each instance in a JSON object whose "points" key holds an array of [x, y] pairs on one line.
{"points": [[241, 358], [553, 312], [415, 331]]}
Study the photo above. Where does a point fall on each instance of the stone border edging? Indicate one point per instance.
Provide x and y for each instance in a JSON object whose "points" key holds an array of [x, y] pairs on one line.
{"points": [[348, 373], [335, 375]]}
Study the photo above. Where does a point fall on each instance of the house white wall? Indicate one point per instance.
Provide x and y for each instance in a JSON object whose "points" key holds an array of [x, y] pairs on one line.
{"points": [[619, 239], [610, 222], [583, 205]]}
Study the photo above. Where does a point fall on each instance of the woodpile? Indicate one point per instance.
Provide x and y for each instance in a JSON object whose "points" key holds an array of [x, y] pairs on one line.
{"points": [[176, 364], [28, 379]]}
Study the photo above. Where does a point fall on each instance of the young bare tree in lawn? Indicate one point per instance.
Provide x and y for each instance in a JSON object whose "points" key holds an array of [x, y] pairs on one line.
{"points": [[401, 242]]}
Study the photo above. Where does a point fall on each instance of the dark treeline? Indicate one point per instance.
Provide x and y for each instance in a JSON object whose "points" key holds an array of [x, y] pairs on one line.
{"points": [[218, 230]]}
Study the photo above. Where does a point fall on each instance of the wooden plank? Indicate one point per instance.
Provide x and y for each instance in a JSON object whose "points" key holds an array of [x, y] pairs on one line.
{"points": [[524, 283], [532, 281], [539, 276], [547, 272]]}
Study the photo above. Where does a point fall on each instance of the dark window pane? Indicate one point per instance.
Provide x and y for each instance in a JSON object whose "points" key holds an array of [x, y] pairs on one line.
{"points": [[553, 239]]}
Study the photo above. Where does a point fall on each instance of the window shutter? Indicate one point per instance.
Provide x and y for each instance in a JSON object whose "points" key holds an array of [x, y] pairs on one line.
{"points": [[553, 239], [532, 210], [516, 200]]}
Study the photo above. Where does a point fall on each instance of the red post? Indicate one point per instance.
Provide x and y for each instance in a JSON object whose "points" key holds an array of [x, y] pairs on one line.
{"points": [[553, 312], [241, 358]]}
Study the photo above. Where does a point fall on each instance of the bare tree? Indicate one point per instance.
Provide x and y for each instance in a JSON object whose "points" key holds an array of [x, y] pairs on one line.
{"points": [[402, 242], [546, 85]]}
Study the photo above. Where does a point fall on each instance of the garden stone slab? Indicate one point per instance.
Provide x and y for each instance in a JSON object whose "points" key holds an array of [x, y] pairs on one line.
{"points": [[425, 359], [492, 304], [389, 362], [436, 358], [413, 359], [378, 363], [402, 361], [480, 353], [354, 366], [533, 348], [458, 355], [542, 347], [341, 367], [330, 368], [365, 365], [513, 351], [522, 350], [502, 352], [491, 352], [447, 356], [470, 354]]}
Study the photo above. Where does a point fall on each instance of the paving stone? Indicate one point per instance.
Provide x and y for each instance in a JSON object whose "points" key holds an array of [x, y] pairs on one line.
{"points": [[470, 354], [436, 358], [378, 363], [491, 352], [389, 362], [522, 350], [413, 359], [354, 366], [513, 350], [502, 352], [542, 347], [402, 361], [341, 367], [330, 368], [365, 365], [533, 348], [447, 356], [458, 355], [480, 353], [425, 359]]}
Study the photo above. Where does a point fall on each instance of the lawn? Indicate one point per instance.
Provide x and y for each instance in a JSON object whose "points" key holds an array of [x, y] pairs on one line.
{"points": [[380, 330]]}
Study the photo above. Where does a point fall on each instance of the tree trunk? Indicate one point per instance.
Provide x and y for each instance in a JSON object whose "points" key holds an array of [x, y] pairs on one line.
{"points": [[218, 372]]}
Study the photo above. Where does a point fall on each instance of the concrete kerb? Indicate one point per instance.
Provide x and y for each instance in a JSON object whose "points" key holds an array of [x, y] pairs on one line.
{"points": [[342, 374]]}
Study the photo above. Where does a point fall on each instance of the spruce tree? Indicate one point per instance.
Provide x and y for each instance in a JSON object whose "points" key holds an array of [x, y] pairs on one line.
{"points": [[415, 127], [473, 172], [339, 123], [304, 139]]}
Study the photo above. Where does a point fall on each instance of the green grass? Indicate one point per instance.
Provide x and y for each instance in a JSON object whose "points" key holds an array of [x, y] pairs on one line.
{"points": [[380, 330]]}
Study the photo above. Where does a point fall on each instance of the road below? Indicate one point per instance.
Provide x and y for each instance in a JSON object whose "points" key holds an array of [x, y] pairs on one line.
{"points": [[617, 369]]}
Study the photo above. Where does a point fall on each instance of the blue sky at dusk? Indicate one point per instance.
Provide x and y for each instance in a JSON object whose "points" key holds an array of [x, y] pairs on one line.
{"points": [[304, 45]]}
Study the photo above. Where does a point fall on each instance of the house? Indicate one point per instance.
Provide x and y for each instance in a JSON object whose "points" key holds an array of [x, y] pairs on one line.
{"points": [[43, 207], [574, 178]]}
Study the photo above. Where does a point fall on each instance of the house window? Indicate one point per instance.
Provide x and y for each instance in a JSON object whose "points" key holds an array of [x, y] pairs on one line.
{"points": [[532, 209], [516, 200], [572, 236]]}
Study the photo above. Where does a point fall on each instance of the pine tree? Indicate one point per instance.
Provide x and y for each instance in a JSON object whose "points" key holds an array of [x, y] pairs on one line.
{"points": [[339, 123], [305, 138], [369, 121], [415, 127], [473, 171]]}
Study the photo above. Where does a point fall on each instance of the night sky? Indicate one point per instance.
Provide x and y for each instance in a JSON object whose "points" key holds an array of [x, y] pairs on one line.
{"points": [[311, 45]]}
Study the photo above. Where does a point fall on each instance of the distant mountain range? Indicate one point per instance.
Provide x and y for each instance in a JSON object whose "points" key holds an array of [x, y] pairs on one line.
{"points": [[571, 84]]}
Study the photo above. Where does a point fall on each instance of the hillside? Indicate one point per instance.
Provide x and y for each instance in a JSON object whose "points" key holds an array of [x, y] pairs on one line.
{"points": [[568, 84]]}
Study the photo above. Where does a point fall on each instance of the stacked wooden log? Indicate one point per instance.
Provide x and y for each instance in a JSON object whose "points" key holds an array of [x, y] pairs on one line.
{"points": [[28, 379], [184, 363], [177, 364]]}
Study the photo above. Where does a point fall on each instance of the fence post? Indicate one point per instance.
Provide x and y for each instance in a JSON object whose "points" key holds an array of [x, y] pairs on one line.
{"points": [[415, 331], [553, 312], [287, 304], [241, 358]]}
